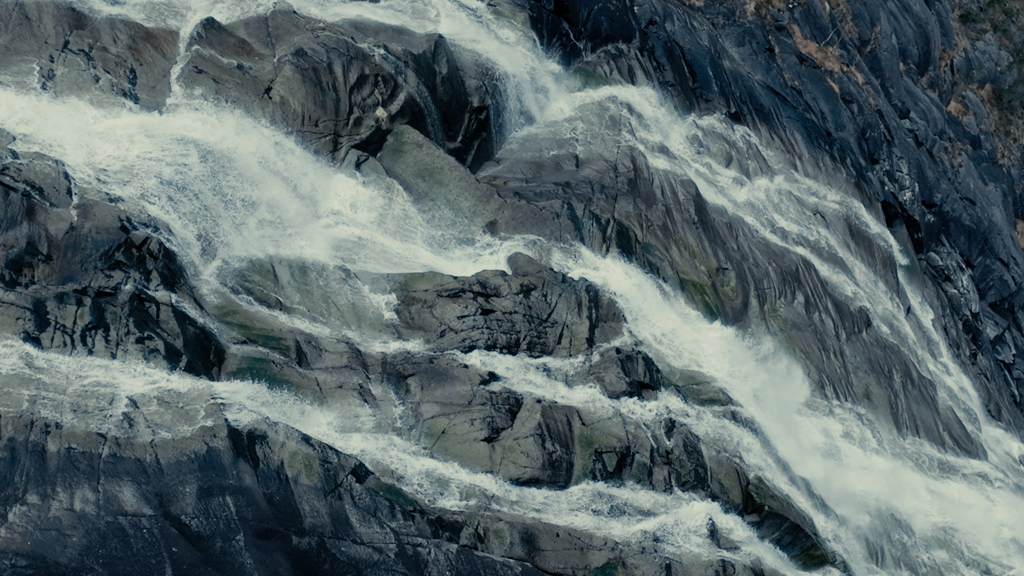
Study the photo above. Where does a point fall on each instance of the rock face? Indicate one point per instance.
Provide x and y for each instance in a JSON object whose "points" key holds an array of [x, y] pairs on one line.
{"points": [[466, 415], [258, 485], [868, 88], [729, 270], [343, 87], [880, 94], [70, 53], [82, 276], [212, 499]]}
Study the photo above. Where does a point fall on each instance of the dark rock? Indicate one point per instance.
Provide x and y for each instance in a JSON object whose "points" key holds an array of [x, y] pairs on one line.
{"points": [[534, 311], [453, 412], [344, 86], [84, 277], [867, 93], [626, 373], [67, 52], [772, 515], [870, 90], [186, 492], [551, 549], [466, 415]]}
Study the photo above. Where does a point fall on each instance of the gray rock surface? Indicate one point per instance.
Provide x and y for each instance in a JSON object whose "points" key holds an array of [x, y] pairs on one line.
{"points": [[82, 276], [70, 53], [534, 311], [729, 271], [867, 89], [874, 91], [466, 415], [344, 86], [175, 488]]}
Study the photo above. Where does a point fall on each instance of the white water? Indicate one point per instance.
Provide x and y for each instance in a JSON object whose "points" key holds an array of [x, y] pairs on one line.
{"points": [[232, 190]]}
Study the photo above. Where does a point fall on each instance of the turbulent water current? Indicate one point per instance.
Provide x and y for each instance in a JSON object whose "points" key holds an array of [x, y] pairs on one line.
{"points": [[233, 190]]}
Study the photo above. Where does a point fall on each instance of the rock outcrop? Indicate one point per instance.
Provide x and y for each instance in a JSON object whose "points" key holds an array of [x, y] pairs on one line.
{"points": [[70, 53], [182, 490], [85, 277], [345, 86], [534, 311]]}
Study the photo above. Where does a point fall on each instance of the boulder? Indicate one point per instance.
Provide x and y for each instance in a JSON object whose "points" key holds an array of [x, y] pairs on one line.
{"points": [[534, 310], [85, 277], [106, 60], [342, 87]]}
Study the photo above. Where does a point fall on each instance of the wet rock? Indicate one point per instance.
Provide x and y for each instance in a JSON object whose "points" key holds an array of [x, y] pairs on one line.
{"points": [[452, 409], [699, 389], [883, 93], [344, 86], [626, 373], [865, 92], [774, 517], [436, 182], [70, 53], [534, 310], [551, 549], [467, 415], [729, 270], [85, 277], [184, 491]]}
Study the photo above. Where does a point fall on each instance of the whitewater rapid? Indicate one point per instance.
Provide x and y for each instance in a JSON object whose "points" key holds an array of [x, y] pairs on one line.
{"points": [[233, 190]]}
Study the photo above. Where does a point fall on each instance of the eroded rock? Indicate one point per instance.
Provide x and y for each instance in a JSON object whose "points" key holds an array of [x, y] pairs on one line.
{"points": [[344, 86], [103, 59], [534, 311], [85, 277]]}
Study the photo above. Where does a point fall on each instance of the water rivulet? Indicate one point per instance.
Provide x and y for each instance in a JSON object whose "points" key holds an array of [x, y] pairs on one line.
{"points": [[553, 287]]}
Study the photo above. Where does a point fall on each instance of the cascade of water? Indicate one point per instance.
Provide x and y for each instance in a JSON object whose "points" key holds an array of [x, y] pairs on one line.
{"points": [[94, 392], [231, 190], [952, 514], [842, 450]]}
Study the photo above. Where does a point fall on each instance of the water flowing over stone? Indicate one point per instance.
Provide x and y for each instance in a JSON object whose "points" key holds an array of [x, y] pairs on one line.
{"points": [[568, 287]]}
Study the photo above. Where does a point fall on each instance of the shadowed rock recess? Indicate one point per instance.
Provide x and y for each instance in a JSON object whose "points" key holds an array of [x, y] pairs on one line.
{"points": [[889, 102]]}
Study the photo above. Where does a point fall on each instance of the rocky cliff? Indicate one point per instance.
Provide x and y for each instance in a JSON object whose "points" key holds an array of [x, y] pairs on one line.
{"points": [[835, 184]]}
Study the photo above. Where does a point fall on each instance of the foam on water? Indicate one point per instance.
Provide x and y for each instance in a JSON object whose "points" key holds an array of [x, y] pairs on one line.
{"points": [[93, 393], [232, 189], [956, 514]]}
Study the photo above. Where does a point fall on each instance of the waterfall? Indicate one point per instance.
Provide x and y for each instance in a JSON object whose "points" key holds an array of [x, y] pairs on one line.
{"points": [[233, 190]]}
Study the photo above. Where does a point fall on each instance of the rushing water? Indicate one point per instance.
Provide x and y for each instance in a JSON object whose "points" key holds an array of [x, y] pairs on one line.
{"points": [[232, 190]]}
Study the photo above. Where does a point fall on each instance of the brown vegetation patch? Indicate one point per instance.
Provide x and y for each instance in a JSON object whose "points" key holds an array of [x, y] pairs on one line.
{"points": [[761, 7], [827, 57]]}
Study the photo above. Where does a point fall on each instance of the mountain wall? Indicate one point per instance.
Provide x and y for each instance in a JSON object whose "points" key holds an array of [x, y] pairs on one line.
{"points": [[840, 180]]}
